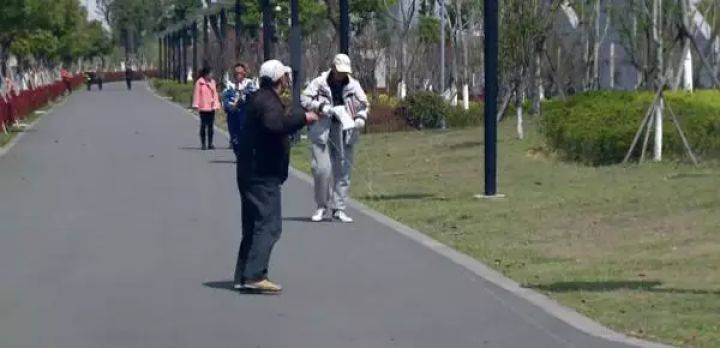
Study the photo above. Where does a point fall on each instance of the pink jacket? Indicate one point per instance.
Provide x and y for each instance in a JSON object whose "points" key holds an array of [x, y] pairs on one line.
{"points": [[205, 97]]}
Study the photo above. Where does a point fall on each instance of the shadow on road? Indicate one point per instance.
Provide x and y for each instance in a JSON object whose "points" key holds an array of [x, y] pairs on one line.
{"points": [[298, 219], [228, 285], [221, 285]]}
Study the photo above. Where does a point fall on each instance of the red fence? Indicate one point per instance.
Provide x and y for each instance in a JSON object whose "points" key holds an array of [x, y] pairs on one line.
{"points": [[18, 105]]}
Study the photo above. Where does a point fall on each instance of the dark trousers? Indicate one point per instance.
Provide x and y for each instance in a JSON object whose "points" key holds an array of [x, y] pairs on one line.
{"points": [[129, 83], [232, 129], [261, 228], [207, 125]]}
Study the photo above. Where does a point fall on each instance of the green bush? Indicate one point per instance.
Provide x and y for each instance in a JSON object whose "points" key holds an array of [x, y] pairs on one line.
{"points": [[425, 110], [461, 118], [428, 110], [178, 92], [598, 128]]}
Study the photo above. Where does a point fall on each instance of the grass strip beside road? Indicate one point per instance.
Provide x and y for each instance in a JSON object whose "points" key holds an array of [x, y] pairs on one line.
{"points": [[636, 248]]}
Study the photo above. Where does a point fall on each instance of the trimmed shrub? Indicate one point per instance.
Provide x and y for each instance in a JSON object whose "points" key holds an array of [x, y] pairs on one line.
{"points": [[461, 118], [598, 128], [178, 92], [425, 110]]}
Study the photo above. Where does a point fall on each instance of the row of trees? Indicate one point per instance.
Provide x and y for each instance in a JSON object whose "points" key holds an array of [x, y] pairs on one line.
{"points": [[548, 47], [49, 32]]}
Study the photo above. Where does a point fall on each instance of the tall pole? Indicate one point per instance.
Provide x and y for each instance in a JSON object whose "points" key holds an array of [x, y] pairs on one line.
{"points": [[194, 50], [296, 53], [441, 10], [206, 42], [491, 94], [167, 56], [173, 53], [268, 30], [160, 54], [178, 61], [184, 55], [344, 26], [223, 36], [238, 23]]}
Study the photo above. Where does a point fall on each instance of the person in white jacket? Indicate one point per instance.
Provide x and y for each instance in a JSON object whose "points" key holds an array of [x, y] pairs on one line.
{"points": [[338, 96]]}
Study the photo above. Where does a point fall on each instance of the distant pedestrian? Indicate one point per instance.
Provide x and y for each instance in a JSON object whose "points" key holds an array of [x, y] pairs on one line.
{"points": [[206, 102], [235, 98], [129, 77], [262, 167], [339, 97], [66, 78]]}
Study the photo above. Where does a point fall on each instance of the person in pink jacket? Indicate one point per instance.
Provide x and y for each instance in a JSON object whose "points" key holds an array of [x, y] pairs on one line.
{"points": [[206, 102]]}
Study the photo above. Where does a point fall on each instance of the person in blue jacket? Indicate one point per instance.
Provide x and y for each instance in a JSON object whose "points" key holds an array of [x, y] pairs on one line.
{"points": [[234, 101]]}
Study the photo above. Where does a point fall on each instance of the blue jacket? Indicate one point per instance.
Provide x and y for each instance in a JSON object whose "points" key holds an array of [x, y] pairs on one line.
{"points": [[234, 101]]}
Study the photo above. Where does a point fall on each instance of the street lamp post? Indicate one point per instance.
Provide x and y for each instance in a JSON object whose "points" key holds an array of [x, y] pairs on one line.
{"points": [[268, 30], [344, 26], [296, 53], [491, 93]]}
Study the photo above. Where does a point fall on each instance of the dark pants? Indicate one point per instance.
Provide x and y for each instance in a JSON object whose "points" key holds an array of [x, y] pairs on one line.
{"points": [[261, 228], [129, 83], [207, 125], [232, 129]]}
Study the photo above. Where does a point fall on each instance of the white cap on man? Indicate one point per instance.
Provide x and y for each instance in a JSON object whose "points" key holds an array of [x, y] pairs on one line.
{"points": [[274, 70], [342, 63]]}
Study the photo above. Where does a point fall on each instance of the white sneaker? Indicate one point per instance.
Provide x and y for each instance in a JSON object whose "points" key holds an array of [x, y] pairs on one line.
{"points": [[319, 215], [340, 215]]}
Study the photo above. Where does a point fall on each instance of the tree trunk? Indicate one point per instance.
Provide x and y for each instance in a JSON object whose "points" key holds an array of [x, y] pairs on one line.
{"points": [[466, 91], [657, 36], [596, 48], [519, 98], [612, 66], [539, 94]]}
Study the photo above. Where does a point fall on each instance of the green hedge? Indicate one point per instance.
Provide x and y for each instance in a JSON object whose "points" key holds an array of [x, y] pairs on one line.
{"points": [[179, 92], [427, 110], [597, 128]]}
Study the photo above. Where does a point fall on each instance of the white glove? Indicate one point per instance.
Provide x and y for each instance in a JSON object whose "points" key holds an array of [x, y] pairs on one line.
{"points": [[359, 123], [327, 110], [344, 117]]}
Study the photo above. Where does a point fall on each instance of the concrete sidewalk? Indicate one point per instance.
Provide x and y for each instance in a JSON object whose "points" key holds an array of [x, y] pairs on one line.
{"points": [[116, 231]]}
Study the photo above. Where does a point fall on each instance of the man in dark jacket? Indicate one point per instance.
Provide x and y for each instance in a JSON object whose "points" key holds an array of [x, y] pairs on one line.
{"points": [[128, 76], [263, 158]]}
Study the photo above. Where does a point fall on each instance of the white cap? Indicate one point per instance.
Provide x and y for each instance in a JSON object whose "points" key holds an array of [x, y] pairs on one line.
{"points": [[274, 69], [342, 63]]}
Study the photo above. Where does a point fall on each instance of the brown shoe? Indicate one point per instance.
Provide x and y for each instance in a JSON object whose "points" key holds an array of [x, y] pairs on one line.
{"points": [[264, 287]]}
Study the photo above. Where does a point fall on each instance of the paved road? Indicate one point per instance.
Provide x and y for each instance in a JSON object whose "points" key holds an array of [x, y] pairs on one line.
{"points": [[115, 231]]}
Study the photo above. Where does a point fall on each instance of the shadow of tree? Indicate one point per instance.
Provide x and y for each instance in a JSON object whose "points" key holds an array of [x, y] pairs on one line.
{"points": [[614, 285], [466, 145], [399, 196]]}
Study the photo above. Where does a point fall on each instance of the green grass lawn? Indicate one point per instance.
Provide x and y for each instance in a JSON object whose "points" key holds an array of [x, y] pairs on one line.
{"points": [[635, 248]]}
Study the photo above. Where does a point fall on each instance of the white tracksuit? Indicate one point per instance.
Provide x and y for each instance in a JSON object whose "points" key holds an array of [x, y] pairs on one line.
{"points": [[332, 148]]}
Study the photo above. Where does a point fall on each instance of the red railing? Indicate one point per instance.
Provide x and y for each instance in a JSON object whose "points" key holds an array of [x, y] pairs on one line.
{"points": [[17, 106]]}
